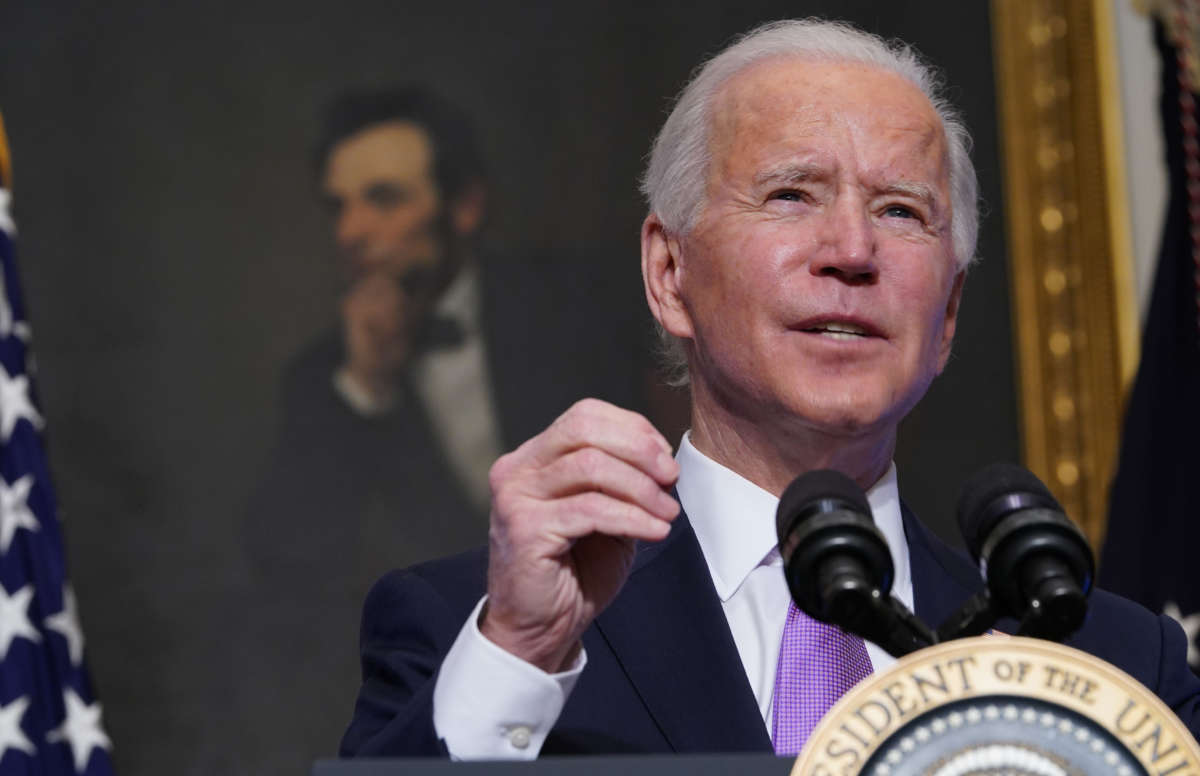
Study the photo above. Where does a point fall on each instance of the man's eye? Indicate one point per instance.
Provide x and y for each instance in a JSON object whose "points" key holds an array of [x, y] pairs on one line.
{"points": [[900, 211], [788, 195], [386, 196]]}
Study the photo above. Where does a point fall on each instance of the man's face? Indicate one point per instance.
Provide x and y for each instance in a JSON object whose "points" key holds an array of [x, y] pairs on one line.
{"points": [[385, 203], [818, 283]]}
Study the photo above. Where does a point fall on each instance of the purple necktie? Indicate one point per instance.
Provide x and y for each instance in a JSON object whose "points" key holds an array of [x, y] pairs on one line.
{"points": [[818, 663]]}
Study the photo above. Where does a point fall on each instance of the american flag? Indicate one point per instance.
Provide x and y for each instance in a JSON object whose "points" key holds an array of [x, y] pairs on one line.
{"points": [[49, 719], [1153, 539]]}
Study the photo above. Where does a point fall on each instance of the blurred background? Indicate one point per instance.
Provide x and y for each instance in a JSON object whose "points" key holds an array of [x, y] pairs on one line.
{"points": [[178, 251]]}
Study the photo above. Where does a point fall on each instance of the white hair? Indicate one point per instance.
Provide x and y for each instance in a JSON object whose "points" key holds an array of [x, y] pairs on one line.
{"points": [[676, 178]]}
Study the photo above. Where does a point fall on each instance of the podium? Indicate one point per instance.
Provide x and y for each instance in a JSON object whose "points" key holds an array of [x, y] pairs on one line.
{"points": [[984, 706], [592, 765]]}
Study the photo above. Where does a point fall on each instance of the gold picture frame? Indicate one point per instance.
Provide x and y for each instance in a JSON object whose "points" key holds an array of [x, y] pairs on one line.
{"points": [[1073, 301], [5, 159]]}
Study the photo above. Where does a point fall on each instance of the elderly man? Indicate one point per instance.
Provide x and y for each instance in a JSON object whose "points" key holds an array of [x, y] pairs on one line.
{"points": [[812, 217]]}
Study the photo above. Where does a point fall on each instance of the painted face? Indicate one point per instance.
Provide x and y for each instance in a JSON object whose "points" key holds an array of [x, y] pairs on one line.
{"points": [[386, 206], [818, 284]]}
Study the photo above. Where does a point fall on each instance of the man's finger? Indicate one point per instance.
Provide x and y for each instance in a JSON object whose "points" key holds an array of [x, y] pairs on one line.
{"points": [[588, 513], [592, 469], [593, 423]]}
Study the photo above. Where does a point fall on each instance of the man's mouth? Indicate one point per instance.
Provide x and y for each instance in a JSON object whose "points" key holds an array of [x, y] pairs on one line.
{"points": [[839, 330]]}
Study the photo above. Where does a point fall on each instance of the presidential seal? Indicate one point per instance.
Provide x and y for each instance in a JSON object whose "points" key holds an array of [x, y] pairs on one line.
{"points": [[1000, 707]]}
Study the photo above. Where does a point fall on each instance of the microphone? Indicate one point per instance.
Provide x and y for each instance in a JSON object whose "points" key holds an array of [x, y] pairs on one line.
{"points": [[1037, 564], [837, 564]]}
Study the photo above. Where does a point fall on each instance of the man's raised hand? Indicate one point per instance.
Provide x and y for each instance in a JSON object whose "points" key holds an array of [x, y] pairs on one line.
{"points": [[567, 508]]}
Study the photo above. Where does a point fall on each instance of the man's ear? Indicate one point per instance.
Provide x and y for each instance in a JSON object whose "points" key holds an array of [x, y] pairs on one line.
{"points": [[468, 209], [950, 322], [662, 275]]}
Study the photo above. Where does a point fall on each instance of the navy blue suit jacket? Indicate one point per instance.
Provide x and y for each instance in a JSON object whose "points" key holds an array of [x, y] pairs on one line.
{"points": [[663, 673]]}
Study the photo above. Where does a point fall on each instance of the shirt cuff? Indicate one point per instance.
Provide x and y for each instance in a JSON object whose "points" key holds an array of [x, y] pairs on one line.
{"points": [[489, 704]]}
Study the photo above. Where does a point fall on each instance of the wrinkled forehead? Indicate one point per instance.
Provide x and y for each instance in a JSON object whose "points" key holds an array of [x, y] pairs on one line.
{"points": [[778, 103]]}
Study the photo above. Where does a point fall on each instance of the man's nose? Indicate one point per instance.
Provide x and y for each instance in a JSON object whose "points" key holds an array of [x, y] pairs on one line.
{"points": [[848, 244], [353, 223]]}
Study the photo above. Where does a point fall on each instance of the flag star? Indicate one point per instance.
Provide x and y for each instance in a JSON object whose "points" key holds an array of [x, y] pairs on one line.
{"points": [[81, 729], [66, 622], [6, 222], [11, 734], [1191, 627], [14, 510], [15, 404], [14, 618]]}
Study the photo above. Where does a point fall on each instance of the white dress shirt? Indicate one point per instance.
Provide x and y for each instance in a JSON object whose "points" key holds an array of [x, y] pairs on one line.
{"points": [[454, 387], [734, 521], [489, 704]]}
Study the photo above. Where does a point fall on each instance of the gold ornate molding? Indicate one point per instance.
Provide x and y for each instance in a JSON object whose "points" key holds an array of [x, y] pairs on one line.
{"points": [[5, 159], [1074, 313]]}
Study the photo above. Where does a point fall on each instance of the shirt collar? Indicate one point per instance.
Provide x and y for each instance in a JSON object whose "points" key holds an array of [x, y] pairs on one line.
{"points": [[734, 520], [460, 300]]}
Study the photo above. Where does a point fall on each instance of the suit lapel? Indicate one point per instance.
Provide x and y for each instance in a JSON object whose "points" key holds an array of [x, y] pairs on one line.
{"points": [[942, 579], [671, 637]]}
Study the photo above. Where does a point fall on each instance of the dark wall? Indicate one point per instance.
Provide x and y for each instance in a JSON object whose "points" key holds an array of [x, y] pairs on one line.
{"points": [[174, 256]]}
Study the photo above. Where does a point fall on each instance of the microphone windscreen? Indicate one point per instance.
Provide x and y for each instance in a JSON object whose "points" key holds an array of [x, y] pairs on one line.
{"points": [[981, 504], [813, 487]]}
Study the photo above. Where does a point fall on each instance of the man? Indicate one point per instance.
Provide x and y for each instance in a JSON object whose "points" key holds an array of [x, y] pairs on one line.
{"points": [[812, 218], [444, 356]]}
